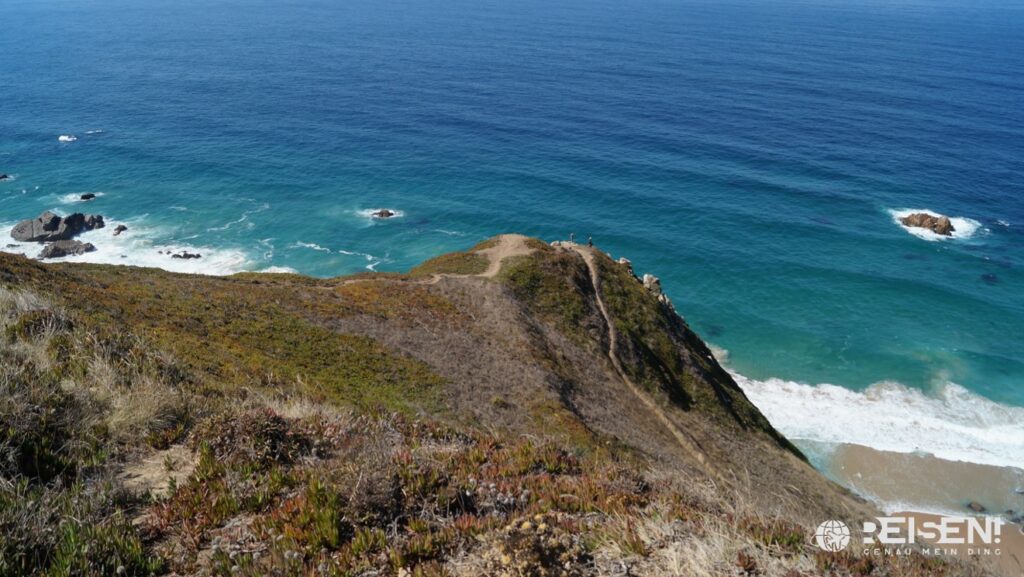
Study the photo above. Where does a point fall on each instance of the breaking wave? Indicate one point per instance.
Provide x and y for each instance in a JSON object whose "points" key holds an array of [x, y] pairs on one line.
{"points": [[952, 424]]}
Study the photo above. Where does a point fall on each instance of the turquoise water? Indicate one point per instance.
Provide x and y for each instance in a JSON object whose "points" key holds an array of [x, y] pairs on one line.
{"points": [[748, 153]]}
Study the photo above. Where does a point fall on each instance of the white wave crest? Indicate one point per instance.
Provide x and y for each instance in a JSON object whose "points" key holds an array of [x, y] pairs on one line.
{"points": [[963, 228], [954, 424], [279, 270], [67, 138], [94, 132]]}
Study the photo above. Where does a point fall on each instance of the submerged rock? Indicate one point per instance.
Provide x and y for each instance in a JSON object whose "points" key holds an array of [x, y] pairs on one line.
{"points": [[63, 248], [49, 227], [186, 255], [4, 177], [120, 228], [88, 196], [937, 224], [976, 507], [383, 213]]}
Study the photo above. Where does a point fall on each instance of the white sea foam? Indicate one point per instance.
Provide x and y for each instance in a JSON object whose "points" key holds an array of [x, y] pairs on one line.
{"points": [[136, 247], [372, 261], [311, 245], [229, 224], [952, 424], [963, 227], [94, 132], [67, 138], [1003, 223], [280, 270]]}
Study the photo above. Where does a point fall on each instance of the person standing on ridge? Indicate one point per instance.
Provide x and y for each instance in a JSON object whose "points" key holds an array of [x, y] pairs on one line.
{"points": [[572, 238], [590, 241]]}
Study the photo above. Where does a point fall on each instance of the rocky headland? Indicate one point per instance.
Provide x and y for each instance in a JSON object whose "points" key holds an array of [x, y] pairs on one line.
{"points": [[518, 409]]}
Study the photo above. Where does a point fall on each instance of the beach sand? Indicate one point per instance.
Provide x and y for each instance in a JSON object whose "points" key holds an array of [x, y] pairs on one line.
{"points": [[922, 486], [919, 482]]}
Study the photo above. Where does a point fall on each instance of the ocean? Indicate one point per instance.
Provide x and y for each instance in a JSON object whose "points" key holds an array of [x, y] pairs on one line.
{"points": [[752, 154]]}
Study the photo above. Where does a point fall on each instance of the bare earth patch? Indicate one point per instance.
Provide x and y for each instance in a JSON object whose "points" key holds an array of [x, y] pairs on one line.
{"points": [[154, 473]]}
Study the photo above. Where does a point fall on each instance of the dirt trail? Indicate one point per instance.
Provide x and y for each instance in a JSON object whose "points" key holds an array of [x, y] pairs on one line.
{"points": [[688, 444], [508, 245]]}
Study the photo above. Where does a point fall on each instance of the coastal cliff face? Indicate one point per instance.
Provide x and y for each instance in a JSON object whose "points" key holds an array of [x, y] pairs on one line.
{"points": [[517, 409]]}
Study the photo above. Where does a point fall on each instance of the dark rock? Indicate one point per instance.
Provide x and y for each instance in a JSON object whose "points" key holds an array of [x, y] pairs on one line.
{"points": [[88, 196], [120, 228], [937, 224], [990, 278], [62, 248], [4, 177], [976, 507], [49, 227], [186, 255], [383, 213]]}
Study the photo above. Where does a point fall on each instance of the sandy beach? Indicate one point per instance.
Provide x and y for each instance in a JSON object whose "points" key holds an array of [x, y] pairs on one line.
{"points": [[922, 486]]}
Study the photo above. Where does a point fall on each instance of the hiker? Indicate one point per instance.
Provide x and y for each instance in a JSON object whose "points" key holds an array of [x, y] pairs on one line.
{"points": [[572, 238], [590, 241]]}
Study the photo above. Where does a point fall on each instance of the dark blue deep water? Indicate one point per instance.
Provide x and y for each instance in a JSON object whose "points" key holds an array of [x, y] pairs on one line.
{"points": [[751, 154]]}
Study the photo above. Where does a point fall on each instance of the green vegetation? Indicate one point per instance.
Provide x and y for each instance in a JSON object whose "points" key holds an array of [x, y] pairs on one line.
{"points": [[556, 287], [464, 263]]}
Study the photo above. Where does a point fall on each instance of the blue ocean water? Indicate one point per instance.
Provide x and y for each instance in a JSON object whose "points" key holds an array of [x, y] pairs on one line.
{"points": [[750, 153]]}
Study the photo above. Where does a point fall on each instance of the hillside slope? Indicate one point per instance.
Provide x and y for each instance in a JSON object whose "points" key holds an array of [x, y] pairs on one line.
{"points": [[519, 409]]}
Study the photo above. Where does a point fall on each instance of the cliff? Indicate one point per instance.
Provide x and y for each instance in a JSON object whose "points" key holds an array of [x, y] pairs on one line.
{"points": [[517, 409]]}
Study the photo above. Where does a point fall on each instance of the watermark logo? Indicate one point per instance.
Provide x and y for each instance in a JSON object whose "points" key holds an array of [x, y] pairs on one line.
{"points": [[832, 536], [894, 536]]}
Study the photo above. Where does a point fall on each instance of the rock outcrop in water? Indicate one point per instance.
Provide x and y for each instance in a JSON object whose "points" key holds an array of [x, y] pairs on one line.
{"points": [[62, 248], [937, 224], [49, 227]]}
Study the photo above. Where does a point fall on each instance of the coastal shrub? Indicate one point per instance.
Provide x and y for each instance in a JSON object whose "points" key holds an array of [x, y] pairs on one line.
{"points": [[257, 437]]}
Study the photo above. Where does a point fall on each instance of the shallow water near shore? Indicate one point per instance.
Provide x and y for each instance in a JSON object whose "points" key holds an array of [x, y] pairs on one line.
{"points": [[757, 169]]}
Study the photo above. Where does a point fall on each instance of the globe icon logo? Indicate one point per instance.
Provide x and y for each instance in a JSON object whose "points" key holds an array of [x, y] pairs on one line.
{"points": [[832, 536]]}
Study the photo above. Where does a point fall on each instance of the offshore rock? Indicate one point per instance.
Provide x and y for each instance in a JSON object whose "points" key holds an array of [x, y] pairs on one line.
{"points": [[49, 227]]}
